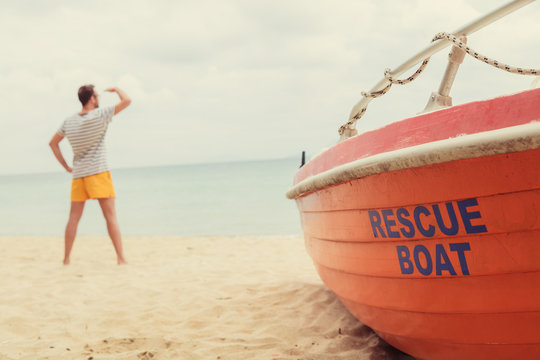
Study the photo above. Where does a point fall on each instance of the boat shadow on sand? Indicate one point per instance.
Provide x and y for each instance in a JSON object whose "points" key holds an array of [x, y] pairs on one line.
{"points": [[351, 335]]}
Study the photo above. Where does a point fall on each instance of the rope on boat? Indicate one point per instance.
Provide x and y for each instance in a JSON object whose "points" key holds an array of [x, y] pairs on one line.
{"points": [[489, 61], [379, 93], [440, 36]]}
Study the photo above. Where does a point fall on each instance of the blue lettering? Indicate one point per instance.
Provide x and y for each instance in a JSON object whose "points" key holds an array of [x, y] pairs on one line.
{"points": [[404, 260], [389, 223], [454, 226], [442, 261], [468, 216], [401, 213], [428, 269], [375, 219], [460, 248], [430, 231], [396, 223]]}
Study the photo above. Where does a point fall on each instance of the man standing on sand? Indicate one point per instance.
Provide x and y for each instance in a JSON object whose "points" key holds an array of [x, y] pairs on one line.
{"points": [[91, 177]]}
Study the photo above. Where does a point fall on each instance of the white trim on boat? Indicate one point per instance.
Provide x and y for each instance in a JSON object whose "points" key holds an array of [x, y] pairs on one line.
{"points": [[495, 142]]}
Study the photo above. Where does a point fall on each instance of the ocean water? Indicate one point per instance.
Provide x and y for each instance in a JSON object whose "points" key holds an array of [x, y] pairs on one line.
{"points": [[223, 199]]}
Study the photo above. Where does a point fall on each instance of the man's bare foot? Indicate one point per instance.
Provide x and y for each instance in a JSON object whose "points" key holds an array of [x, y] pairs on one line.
{"points": [[66, 262], [122, 262]]}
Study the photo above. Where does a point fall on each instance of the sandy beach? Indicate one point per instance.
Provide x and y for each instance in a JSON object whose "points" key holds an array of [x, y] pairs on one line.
{"points": [[179, 298]]}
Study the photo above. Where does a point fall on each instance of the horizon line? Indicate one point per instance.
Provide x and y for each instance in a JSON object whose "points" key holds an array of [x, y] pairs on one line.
{"points": [[210, 162]]}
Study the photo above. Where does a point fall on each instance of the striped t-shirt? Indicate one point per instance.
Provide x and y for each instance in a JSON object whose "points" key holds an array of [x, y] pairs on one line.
{"points": [[86, 134]]}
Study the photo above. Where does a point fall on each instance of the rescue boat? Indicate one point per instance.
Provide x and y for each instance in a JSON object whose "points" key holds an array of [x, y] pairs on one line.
{"points": [[428, 229]]}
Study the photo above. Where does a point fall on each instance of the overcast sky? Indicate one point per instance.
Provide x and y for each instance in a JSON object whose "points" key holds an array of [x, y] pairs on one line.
{"points": [[227, 80]]}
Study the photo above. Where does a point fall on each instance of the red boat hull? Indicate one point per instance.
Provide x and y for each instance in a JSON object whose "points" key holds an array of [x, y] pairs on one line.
{"points": [[441, 259]]}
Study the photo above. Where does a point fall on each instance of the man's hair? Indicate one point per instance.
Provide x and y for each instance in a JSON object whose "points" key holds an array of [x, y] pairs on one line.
{"points": [[85, 93]]}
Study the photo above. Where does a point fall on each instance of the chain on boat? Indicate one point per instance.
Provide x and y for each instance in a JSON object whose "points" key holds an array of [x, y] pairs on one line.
{"points": [[440, 36]]}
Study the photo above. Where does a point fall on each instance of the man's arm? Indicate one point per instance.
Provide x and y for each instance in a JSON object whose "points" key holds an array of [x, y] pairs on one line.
{"points": [[56, 150], [124, 99]]}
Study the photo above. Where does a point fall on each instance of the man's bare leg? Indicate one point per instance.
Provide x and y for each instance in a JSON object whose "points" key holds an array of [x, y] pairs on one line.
{"points": [[109, 212], [75, 214]]}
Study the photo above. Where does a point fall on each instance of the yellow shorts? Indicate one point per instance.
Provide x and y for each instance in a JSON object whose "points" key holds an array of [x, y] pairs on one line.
{"points": [[92, 187]]}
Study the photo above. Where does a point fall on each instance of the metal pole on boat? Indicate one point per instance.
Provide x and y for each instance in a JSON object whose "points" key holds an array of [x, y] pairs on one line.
{"points": [[442, 98], [432, 49]]}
